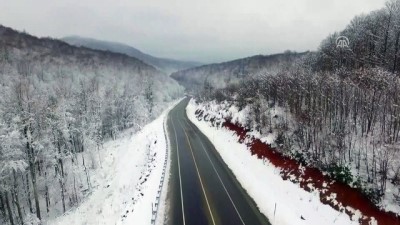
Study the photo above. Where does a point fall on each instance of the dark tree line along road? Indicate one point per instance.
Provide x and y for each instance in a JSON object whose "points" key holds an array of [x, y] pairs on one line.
{"points": [[202, 188]]}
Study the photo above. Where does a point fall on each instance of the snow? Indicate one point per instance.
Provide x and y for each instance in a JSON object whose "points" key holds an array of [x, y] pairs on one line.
{"points": [[128, 181], [264, 184]]}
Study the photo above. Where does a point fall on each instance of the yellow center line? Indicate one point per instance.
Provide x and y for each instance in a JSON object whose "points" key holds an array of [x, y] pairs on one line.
{"points": [[215, 170], [198, 173]]}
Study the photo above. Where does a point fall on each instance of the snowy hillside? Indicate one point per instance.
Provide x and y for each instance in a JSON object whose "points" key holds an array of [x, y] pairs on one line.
{"points": [[220, 75], [128, 181], [59, 105]]}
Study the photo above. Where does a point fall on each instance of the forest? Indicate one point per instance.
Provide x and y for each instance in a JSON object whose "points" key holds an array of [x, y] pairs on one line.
{"points": [[221, 74], [58, 105], [341, 105]]}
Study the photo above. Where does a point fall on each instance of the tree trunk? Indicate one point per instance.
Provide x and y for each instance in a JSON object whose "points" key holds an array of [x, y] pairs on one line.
{"points": [[396, 51], [86, 172], [385, 43], [47, 193], [31, 158], [35, 191], [28, 193], [10, 214], [2, 205], [16, 199], [62, 192]]}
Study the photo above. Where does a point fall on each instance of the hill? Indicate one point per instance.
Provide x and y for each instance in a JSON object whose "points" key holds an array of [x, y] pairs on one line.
{"points": [[166, 65], [59, 104], [220, 74]]}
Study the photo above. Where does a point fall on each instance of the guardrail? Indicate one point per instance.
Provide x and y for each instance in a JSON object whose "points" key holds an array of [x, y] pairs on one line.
{"points": [[156, 204]]}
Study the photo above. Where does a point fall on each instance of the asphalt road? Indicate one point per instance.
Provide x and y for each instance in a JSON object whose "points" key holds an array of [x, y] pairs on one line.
{"points": [[203, 190]]}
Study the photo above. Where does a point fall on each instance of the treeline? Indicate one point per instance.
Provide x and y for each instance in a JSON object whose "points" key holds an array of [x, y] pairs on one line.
{"points": [[56, 110], [341, 105]]}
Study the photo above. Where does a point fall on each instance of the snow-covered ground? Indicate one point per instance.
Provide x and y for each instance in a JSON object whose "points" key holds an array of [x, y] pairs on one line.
{"points": [[280, 120], [128, 182], [283, 202]]}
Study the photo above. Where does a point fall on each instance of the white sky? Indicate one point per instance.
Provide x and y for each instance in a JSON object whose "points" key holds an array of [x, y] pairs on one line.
{"points": [[201, 30]]}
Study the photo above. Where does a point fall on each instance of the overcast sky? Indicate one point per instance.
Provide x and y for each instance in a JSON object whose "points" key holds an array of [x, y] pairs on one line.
{"points": [[201, 30]]}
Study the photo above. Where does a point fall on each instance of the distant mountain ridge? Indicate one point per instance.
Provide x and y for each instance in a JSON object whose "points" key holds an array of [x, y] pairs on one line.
{"points": [[166, 65], [219, 75], [36, 49]]}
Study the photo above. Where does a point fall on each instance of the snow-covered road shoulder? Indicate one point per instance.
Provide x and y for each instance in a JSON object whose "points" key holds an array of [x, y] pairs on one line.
{"points": [[283, 202], [129, 180]]}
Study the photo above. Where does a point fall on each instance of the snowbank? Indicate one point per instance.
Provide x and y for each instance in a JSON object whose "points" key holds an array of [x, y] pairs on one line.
{"points": [[129, 180], [283, 202]]}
